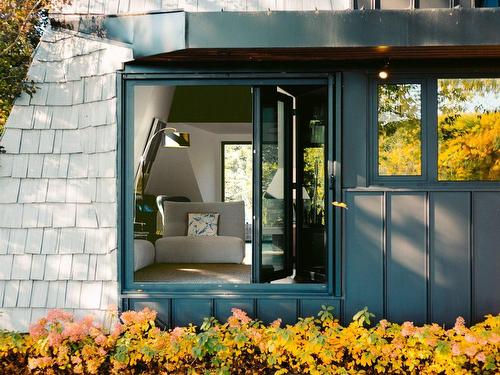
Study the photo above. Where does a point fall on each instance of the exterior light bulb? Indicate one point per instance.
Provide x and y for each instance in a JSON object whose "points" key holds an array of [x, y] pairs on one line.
{"points": [[383, 74]]}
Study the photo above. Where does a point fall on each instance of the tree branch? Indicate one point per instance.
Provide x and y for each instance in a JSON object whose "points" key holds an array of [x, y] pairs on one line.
{"points": [[37, 5]]}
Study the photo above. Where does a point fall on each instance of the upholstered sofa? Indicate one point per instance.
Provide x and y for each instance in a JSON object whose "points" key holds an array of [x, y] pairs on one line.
{"points": [[176, 247]]}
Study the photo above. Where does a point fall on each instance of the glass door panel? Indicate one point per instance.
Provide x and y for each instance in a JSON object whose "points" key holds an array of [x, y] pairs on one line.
{"points": [[276, 117], [311, 132], [290, 164]]}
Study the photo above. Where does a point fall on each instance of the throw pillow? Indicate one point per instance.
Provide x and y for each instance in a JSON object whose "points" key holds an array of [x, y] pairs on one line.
{"points": [[202, 224]]}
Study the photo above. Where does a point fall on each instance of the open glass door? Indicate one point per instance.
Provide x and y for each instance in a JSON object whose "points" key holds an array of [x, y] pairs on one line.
{"points": [[273, 119]]}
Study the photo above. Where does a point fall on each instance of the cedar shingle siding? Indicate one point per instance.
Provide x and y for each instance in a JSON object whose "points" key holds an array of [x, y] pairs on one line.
{"points": [[58, 203]]}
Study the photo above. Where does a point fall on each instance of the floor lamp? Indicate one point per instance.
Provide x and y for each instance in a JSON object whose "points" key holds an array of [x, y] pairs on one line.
{"points": [[171, 138]]}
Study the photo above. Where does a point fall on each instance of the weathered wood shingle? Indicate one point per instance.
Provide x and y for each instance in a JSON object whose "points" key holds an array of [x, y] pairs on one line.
{"points": [[34, 241], [58, 204]]}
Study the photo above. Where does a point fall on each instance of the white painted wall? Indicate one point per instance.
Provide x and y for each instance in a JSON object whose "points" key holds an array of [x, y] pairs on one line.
{"points": [[149, 102], [171, 175]]}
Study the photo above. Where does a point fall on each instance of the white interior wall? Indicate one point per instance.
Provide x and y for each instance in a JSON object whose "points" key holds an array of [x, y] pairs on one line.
{"points": [[149, 102], [170, 175]]}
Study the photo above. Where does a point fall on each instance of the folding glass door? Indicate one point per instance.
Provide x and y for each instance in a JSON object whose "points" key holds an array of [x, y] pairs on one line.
{"points": [[290, 219]]}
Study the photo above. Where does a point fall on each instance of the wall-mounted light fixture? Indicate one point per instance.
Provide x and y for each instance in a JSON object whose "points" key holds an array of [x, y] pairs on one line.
{"points": [[384, 72]]}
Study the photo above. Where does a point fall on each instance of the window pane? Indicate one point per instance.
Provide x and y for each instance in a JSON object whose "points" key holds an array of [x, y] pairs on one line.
{"points": [[399, 130], [238, 179], [469, 129]]}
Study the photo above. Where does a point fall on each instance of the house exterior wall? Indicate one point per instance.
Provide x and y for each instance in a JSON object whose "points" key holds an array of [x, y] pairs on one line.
{"points": [[58, 235], [58, 203]]}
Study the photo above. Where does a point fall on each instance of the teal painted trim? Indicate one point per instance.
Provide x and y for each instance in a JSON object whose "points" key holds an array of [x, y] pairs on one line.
{"points": [[216, 79], [177, 289], [337, 237], [330, 184], [129, 286], [303, 294], [432, 129], [395, 179], [119, 177], [127, 187], [325, 29], [151, 34], [257, 186]]}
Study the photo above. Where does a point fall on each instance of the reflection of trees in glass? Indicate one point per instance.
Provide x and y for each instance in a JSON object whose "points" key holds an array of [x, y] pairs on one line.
{"points": [[469, 129], [399, 129], [238, 175], [269, 164], [314, 176]]}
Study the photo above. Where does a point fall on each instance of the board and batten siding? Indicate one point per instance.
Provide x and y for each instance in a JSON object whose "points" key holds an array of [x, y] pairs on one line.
{"points": [[423, 256], [58, 235]]}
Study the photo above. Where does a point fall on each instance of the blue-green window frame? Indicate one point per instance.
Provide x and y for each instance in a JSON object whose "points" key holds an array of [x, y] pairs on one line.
{"points": [[429, 135], [127, 81], [377, 179]]}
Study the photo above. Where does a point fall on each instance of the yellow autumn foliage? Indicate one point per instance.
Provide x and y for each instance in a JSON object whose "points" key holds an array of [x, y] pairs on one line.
{"points": [[59, 344], [469, 147]]}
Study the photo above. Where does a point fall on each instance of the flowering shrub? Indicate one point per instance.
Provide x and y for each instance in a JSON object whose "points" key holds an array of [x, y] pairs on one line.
{"points": [[58, 344]]}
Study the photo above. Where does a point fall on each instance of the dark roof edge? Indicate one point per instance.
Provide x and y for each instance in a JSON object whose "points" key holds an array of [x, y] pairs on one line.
{"points": [[164, 32]]}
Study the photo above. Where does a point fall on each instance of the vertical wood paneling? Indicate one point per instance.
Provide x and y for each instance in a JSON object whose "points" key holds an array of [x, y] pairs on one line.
{"points": [[190, 310], [364, 242], [450, 256], [269, 310], [486, 235], [406, 257], [354, 134]]}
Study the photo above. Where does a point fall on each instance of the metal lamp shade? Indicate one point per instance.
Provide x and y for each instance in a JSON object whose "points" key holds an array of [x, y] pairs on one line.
{"points": [[175, 140]]}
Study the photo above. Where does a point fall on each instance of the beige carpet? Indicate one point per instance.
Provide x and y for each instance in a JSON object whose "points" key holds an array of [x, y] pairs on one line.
{"points": [[195, 273]]}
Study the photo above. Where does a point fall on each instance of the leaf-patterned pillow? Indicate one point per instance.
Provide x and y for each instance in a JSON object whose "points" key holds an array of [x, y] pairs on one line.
{"points": [[202, 224]]}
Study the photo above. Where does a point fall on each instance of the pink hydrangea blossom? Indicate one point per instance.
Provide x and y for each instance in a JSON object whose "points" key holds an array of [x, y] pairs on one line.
{"points": [[240, 315], [481, 357], [276, 323], [59, 315], [100, 340], [38, 330], [176, 333], [407, 329]]}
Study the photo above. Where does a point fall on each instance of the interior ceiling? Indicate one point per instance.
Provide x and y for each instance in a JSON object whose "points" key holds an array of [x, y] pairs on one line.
{"points": [[211, 104], [223, 128]]}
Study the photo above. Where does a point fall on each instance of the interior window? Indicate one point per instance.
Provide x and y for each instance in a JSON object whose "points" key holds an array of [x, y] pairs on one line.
{"points": [[469, 129], [399, 122], [237, 182]]}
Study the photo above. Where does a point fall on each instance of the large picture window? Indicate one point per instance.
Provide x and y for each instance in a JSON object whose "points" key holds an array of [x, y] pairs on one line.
{"points": [[229, 184], [454, 137]]}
